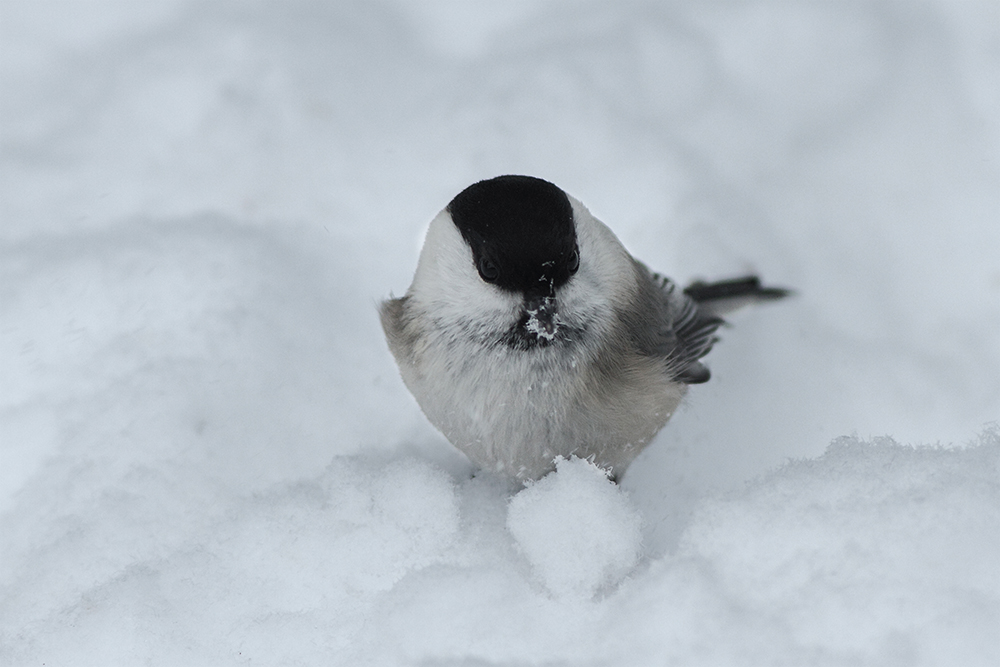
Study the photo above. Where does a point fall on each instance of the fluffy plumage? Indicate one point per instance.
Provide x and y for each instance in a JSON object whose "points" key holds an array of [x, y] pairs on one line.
{"points": [[529, 332]]}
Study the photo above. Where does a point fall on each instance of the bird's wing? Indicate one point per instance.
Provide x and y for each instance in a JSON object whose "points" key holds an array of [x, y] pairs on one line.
{"points": [[671, 325]]}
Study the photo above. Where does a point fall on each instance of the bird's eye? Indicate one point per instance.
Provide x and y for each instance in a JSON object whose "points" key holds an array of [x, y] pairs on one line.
{"points": [[488, 271], [574, 261]]}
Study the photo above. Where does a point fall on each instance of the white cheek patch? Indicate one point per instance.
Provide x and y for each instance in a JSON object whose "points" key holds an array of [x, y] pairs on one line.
{"points": [[447, 282], [604, 281]]}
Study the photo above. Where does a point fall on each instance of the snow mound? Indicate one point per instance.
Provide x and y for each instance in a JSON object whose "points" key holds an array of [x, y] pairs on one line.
{"points": [[875, 549], [302, 560], [579, 531]]}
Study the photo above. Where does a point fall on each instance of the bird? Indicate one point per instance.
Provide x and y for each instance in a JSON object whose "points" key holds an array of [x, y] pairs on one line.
{"points": [[529, 333]]}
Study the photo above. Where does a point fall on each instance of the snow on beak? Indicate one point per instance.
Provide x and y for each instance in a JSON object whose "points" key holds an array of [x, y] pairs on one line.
{"points": [[542, 312]]}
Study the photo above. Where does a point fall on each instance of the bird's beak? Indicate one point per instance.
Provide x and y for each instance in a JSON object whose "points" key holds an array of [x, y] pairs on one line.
{"points": [[542, 316]]}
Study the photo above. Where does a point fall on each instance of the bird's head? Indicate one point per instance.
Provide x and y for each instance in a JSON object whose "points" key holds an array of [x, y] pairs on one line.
{"points": [[507, 260]]}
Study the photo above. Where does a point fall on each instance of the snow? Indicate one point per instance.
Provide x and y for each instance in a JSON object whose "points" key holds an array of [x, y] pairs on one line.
{"points": [[207, 455], [577, 529]]}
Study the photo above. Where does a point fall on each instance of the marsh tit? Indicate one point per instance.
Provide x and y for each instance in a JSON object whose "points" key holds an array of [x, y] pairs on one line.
{"points": [[529, 332]]}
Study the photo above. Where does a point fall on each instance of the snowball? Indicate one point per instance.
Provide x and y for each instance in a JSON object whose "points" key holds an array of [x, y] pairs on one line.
{"points": [[578, 530]]}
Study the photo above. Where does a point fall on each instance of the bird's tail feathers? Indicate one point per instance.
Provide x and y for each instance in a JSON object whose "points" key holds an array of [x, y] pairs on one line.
{"points": [[725, 296]]}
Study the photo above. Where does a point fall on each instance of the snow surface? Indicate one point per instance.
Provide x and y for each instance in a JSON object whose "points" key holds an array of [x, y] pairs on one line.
{"points": [[207, 456]]}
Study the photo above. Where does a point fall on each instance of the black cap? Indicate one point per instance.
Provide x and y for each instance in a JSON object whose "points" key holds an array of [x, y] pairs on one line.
{"points": [[521, 233]]}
